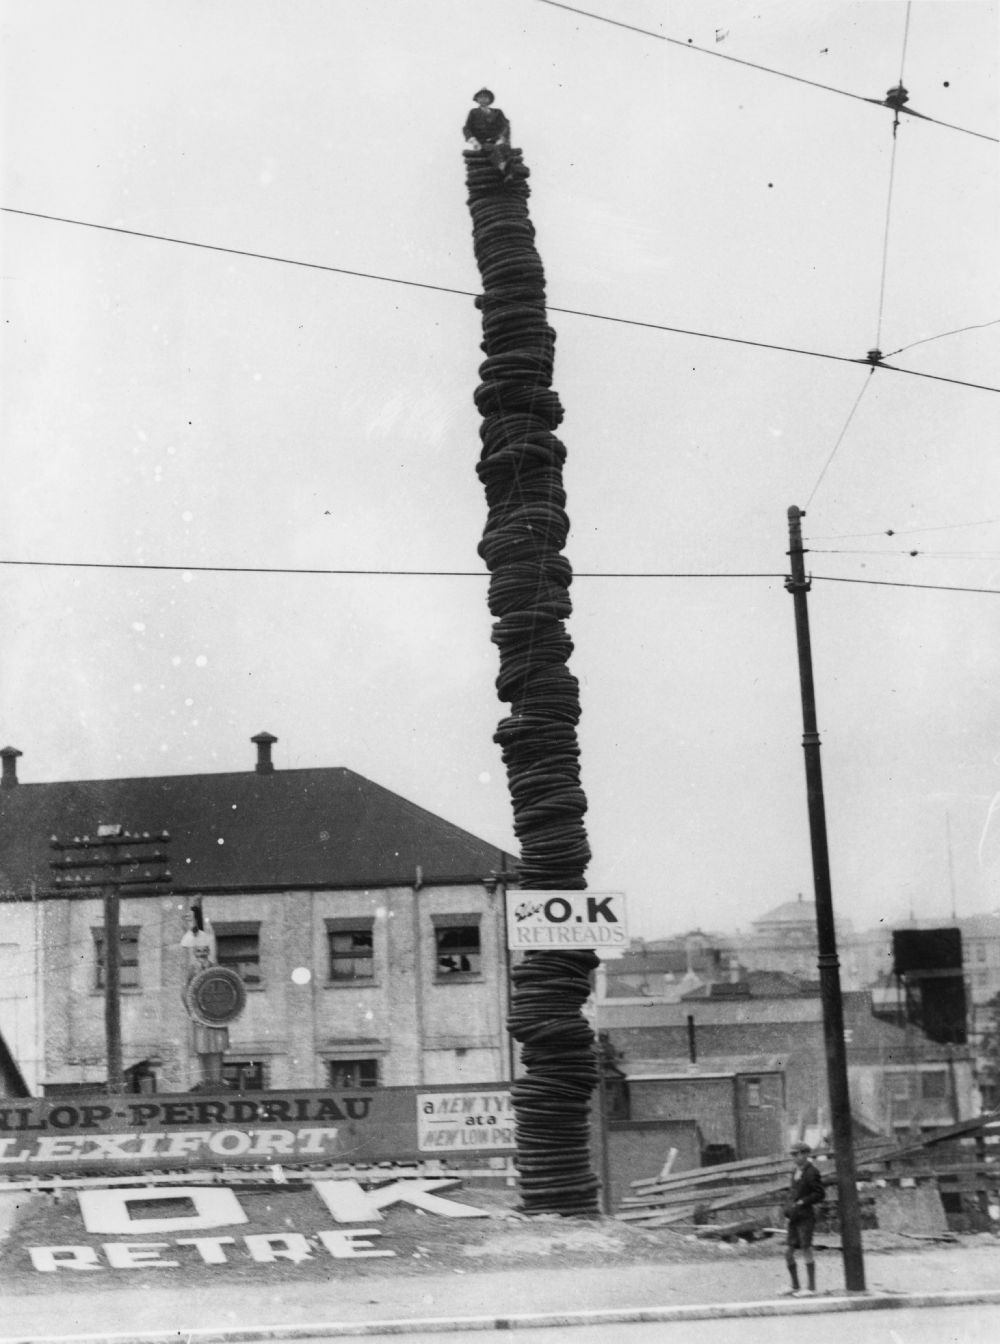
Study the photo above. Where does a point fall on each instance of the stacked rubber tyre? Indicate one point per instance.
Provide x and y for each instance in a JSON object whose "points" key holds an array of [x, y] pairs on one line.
{"points": [[520, 467]]}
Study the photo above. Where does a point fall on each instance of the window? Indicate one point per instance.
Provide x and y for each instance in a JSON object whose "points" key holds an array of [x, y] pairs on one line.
{"points": [[238, 947], [934, 1086], [352, 950], [753, 1093], [244, 1075], [456, 945], [346, 1075], [616, 1098], [898, 1085], [140, 1078], [128, 958]]}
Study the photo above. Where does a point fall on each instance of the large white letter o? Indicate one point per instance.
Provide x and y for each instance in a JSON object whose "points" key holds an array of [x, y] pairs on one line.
{"points": [[108, 1211]]}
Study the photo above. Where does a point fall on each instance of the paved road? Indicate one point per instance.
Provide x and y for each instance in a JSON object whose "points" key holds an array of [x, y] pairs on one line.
{"points": [[925, 1325]]}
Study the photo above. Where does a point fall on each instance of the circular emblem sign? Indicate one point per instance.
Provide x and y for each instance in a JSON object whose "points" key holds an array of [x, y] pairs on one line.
{"points": [[215, 996]]}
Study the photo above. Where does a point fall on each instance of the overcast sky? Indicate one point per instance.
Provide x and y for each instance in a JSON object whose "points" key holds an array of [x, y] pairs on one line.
{"points": [[181, 406]]}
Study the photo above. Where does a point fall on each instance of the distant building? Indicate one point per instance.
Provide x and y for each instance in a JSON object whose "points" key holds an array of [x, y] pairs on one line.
{"points": [[899, 1080], [737, 1101], [981, 963], [759, 992], [369, 932], [785, 939], [718, 1110], [667, 969]]}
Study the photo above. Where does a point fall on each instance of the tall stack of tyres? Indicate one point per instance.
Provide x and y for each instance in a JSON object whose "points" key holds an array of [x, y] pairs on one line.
{"points": [[520, 467]]}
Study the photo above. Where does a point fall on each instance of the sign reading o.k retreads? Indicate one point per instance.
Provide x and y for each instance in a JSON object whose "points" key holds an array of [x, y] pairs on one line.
{"points": [[571, 920], [100, 1132]]}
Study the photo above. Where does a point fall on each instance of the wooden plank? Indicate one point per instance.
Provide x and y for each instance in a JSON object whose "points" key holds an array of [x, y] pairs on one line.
{"points": [[723, 1174], [765, 1194], [742, 1198], [672, 1198], [654, 1217], [743, 1164], [665, 1219], [716, 1231]]}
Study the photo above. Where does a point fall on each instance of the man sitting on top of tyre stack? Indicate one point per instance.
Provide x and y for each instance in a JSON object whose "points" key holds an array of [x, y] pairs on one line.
{"points": [[486, 127]]}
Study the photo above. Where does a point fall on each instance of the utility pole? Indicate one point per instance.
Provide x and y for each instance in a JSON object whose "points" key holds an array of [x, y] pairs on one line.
{"points": [[829, 965], [110, 864], [951, 866]]}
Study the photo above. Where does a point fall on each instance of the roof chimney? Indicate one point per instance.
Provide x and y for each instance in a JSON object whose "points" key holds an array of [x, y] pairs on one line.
{"points": [[264, 764], [9, 779]]}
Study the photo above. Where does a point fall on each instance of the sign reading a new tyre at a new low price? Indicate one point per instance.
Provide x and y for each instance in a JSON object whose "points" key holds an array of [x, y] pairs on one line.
{"points": [[567, 919]]}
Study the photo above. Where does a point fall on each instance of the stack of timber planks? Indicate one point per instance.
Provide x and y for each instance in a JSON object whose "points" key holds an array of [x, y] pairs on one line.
{"points": [[707, 1198], [697, 1196]]}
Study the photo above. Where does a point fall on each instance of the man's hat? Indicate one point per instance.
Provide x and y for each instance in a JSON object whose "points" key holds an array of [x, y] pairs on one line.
{"points": [[480, 92], [801, 1147]]}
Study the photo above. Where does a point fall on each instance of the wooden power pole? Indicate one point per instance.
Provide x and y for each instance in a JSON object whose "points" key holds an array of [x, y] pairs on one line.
{"points": [[829, 965], [109, 864]]}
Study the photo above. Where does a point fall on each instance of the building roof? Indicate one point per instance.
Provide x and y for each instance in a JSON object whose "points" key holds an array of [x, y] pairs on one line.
{"points": [[789, 912], [979, 926], [780, 984], [327, 828], [639, 1070]]}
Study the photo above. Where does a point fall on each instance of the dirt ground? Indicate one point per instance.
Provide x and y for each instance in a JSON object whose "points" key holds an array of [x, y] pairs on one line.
{"points": [[422, 1243]]}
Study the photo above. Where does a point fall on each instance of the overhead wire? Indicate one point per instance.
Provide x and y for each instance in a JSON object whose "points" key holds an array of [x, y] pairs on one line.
{"points": [[898, 95], [875, 354], [754, 65], [905, 532], [897, 98], [906, 38], [363, 573], [957, 331], [840, 437], [472, 294], [891, 583], [571, 312], [927, 555], [477, 574]]}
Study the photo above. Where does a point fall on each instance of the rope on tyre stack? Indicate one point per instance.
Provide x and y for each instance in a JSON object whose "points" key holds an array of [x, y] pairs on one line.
{"points": [[520, 467]]}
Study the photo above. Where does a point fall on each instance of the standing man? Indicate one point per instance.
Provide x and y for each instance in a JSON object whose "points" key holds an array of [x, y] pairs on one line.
{"points": [[805, 1194], [486, 127]]}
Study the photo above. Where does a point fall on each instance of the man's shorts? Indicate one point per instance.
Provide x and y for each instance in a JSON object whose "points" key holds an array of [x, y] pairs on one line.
{"points": [[800, 1233]]}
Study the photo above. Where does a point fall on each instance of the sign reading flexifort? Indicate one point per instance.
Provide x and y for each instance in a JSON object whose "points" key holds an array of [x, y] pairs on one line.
{"points": [[94, 1133], [570, 919]]}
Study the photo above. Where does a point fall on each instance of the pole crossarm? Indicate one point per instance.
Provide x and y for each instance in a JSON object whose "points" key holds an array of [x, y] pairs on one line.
{"points": [[110, 841], [115, 861]]}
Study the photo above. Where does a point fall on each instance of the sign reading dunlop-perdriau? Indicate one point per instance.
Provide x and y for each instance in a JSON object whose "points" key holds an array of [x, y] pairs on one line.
{"points": [[188, 1130]]}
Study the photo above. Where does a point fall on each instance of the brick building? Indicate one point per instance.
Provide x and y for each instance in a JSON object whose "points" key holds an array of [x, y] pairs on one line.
{"points": [[899, 1080], [368, 932]]}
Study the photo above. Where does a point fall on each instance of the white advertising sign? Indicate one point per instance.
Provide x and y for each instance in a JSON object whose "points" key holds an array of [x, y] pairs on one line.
{"points": [[568, 919], [451, 1121], [120, 1212]]}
